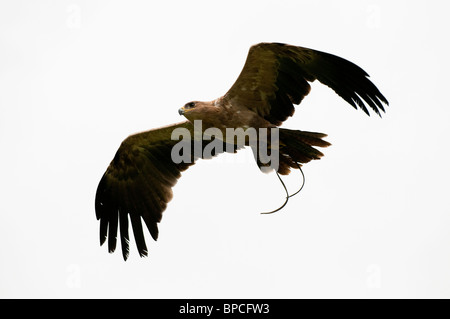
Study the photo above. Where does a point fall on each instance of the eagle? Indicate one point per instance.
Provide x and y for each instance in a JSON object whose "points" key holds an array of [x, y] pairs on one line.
{"points": [[137, 184]]}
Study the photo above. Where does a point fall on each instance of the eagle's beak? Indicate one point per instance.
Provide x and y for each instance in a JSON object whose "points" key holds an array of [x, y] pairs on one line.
{"points": [[181, 111]]}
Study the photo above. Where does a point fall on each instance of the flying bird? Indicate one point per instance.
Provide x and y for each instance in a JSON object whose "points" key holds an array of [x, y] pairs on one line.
{"points": [[137, 184]]}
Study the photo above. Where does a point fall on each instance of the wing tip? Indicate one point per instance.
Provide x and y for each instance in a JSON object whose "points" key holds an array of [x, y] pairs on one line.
{"points": [[102, 239]]}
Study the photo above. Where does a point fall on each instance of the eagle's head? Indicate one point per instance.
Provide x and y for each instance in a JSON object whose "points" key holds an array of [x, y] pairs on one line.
{"points": [[197, 110]]}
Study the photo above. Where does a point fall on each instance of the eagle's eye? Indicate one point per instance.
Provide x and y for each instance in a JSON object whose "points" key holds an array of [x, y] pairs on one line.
{"points": [[190, 105]]}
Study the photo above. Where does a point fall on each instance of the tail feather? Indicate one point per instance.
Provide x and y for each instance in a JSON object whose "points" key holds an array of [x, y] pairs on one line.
{"points": [[297, 147]]}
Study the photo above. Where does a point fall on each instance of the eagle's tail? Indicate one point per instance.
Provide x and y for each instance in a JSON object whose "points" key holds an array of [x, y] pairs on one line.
{"points": [[296, 147]]}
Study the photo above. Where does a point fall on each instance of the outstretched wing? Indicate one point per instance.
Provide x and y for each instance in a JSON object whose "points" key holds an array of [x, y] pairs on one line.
{"points": [[275, 76], [138, 183]]}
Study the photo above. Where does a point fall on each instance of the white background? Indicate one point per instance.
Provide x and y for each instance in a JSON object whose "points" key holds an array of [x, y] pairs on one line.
{"points": [[77, 77]]}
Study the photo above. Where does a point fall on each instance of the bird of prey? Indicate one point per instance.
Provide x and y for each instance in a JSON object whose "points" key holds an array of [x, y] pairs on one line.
{"points": [[137, 184]]}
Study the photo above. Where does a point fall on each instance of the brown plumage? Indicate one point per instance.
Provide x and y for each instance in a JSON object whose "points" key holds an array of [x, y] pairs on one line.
{"points": [[138, 182]]}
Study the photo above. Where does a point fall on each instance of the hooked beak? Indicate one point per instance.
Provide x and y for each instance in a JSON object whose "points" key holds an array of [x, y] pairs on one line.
{"points": [[181, 111]]}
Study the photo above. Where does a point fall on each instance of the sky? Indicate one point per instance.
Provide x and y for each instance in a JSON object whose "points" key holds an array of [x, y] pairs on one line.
{"points": [[77, 77]]}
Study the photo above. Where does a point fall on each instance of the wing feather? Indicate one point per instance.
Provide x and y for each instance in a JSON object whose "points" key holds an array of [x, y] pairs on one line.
{"points": [[136, 223], [123, 227], [138, 185], [112, 230], [275, 77]]}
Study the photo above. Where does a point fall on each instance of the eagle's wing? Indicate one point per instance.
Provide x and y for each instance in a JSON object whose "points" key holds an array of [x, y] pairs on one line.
{"points": [[138, 183], [275, 76]]}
